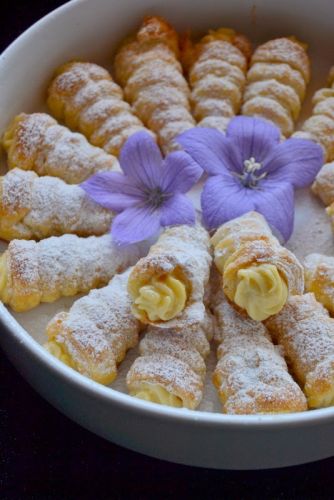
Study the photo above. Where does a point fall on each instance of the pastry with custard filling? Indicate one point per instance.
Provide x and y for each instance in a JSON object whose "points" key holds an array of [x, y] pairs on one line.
{"points": [[39, 207], [33, 272], [320, 126], [171, 367], [84, 96], [251, 374], [147, 66], [217, 67], [276, 82], [95, 334], [319, 278], [37, 142], [258, 274], [306, 332], [170, 281]]}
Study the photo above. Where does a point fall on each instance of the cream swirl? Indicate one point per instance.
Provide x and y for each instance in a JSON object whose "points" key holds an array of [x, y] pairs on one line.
{"points": [[160, 299], [261, 291]]}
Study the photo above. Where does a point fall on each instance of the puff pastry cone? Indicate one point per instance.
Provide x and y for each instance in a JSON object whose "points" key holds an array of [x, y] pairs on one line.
{"points": [[39, 207], [320, 126], [258, 274], [148, 68], [306, 332], [251, 375], [276, 82], [84, 96], [319, 278], [171, 367], [37, 142], [33, 272], [216, 67], [95, 334], [168, 285], [323, 185]]}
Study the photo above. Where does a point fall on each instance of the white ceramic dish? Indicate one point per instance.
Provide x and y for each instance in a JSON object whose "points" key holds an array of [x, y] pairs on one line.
{"points": [[90, 29]]}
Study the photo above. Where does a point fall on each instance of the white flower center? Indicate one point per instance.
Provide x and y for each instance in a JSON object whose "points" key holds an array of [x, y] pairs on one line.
{"points": [[249, 177]]}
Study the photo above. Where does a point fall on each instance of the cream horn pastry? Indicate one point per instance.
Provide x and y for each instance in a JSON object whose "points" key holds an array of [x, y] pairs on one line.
{"points": [[323, 185], [37, 142], [39, 207], [171, 367], [276, 82], [147, 66], [170, 281], [33, 272], [95, 334], [258, 274], [306, 332], [319, 278], [251, 375], [319, 127], [84, 96], [217, 67]]}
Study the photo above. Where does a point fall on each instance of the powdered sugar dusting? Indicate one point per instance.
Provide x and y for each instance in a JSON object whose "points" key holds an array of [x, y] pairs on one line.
{"points": [[36, 142], [61, 266], [98, 329], [80, 86], [38, 207], [251, 375], [307, 238]]}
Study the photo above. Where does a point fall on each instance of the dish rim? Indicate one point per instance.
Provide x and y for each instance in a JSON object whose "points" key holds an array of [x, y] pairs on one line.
{"points": [[197, 417]]}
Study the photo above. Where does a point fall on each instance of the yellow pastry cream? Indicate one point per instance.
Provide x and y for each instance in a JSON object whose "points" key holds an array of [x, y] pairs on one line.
{"points": [[157, 394], [58, 351], [3, 277], [161, 299], [261, 291]]}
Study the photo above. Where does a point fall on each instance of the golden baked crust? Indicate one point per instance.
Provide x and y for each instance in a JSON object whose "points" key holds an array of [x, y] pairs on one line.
{"points": [[217, 67], [251, 375], [306, 332], [323, 185], [94, 335], [34, 272], [276, 82], [36, 142], [319, 278], [171, 367], [39, 207], [170, 281], [85, 97], [257, 272], [147, 66], [320, 126]]}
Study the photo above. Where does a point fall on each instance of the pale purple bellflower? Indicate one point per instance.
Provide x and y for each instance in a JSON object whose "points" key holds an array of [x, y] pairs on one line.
{"points": [[250, 169], [149, 194]]}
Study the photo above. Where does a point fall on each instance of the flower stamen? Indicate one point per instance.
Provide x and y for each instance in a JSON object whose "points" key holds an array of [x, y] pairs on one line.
{"points": [[249, 178]]}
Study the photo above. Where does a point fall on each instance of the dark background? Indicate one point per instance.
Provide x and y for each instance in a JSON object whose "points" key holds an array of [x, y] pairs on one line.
{"points": [[45, 455]]}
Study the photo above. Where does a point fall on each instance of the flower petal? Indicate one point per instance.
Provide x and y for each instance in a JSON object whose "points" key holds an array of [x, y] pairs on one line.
{"points": [[178, 210], [112, 190], [141, 159], [181, 172], [295, 160], [276, 203], [135, 224], [211, 150], [224, 198], [253, 137]]}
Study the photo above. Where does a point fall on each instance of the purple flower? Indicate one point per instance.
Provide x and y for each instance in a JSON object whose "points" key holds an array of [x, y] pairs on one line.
{"points": [[250, 169], [150, 193]]}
